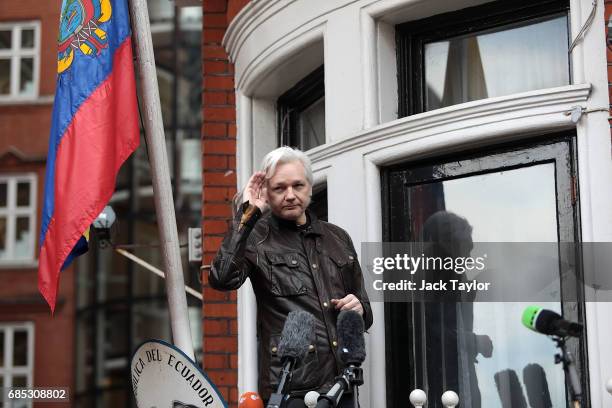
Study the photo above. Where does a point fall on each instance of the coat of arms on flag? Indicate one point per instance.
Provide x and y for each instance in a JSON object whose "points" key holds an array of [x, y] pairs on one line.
{"points": [[81, 29]]}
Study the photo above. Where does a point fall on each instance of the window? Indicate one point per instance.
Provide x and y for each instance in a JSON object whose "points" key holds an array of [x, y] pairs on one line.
{"points": [[17, 356], [17, 218], [513, 194], [301, 113], [496, 49], [318, 204], [19, 60]]}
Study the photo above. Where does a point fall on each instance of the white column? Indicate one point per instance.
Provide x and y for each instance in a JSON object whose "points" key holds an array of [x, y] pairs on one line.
{"points": [[247, 306]]}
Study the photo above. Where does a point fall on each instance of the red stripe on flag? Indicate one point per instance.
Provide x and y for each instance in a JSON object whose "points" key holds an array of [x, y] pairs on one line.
{"points": [[102, 135]]}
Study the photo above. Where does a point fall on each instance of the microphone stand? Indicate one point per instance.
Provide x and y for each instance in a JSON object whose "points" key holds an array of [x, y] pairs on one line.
{"points": [[277, 399], [350, 379], [565, 357], [355, 375]]}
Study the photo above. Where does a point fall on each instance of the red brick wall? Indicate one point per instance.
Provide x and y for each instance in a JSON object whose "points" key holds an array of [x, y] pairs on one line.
{"points": [[219, 180], [25, 127]]}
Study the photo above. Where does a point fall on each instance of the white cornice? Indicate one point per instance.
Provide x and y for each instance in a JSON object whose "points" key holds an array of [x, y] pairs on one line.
{"points": [[548, 106], [247, 19]]}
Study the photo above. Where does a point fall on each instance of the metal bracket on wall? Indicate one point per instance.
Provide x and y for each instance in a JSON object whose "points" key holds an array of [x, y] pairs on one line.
{"points": [[194, 244]]}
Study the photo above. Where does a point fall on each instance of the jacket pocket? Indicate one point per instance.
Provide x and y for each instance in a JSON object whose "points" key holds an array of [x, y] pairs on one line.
{"points": [[344, 265], [305, 374], [285, 274]]}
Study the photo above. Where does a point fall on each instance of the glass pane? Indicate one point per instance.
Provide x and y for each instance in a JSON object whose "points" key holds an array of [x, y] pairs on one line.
{"points": [[481, 349], [114, 398], [112, 346], [3, 254], [150, 320], [3, 194], [1, 351], [147, 284], [191, 165], [23, 194], [23, 244], [86, 401], [21, 404], [26, 76], [85, 352], [27, 38], [5, 39], [5, 76], [510, 60], [311, 125], [20, 348], [20, 381]]}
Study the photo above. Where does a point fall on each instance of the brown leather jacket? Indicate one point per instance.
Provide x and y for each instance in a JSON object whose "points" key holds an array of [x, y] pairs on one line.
{"points": [[292, 269]]}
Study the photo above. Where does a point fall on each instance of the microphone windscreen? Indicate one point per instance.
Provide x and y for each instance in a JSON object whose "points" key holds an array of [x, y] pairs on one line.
{"points": [[509, 389], [536, 384], [250, 400], [350, 337], [544, 322], [298, 334]]}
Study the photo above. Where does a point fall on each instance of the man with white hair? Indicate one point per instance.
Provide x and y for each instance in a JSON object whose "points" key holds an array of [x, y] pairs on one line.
{"points": [[295, 262]]}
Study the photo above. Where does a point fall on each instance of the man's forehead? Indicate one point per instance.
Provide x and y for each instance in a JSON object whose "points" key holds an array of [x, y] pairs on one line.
{"points": [[288, 172]]}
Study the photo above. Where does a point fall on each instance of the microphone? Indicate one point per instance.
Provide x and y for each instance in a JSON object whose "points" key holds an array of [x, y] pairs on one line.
{"points": [[536, 384], [297, 335], [351, 345], [509, 389], [550, 323], [250, 400]]}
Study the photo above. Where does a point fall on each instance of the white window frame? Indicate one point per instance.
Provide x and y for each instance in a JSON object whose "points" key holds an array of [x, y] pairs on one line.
{"points": [[8, 371], [16, 54], [11, 212]]}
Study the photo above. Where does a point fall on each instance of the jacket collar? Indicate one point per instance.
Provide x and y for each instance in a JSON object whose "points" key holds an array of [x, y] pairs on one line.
{"points": [[315, 224]]}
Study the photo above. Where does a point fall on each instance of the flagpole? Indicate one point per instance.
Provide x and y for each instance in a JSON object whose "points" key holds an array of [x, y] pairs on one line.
{"points": [[162, 187]]}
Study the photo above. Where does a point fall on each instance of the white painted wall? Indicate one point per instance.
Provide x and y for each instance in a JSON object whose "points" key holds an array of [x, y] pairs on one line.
{"points": [[275, 42]]}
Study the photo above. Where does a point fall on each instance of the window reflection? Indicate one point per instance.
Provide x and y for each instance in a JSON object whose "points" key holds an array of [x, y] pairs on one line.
{"points": [[20, 348], [3, 233], [3, 194], [301, 112], [482, 349], [5, 39], [311, 124], [23, 194], [512, 59], [5, 76], [27, 38]]}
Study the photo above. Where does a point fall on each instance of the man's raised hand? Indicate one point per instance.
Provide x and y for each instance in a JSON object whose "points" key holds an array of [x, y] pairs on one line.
{"points": [[255, 191]]}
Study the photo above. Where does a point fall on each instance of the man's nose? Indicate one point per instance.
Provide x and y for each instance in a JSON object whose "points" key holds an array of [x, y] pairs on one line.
{"points": [[290, 194]]}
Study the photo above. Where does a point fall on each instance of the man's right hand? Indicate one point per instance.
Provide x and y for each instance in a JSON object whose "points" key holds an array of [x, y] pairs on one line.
{"points": [[255, 191]]}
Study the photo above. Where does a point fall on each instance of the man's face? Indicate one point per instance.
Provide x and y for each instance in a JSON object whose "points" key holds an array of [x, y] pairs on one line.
{"points": [[289, 192]]}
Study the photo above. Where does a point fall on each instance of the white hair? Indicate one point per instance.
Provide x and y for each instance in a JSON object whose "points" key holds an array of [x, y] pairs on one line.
{"points": [[286, 154]]}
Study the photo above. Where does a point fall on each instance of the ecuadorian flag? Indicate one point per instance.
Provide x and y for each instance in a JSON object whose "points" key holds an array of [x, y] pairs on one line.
{"points": [[94, 129]]}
